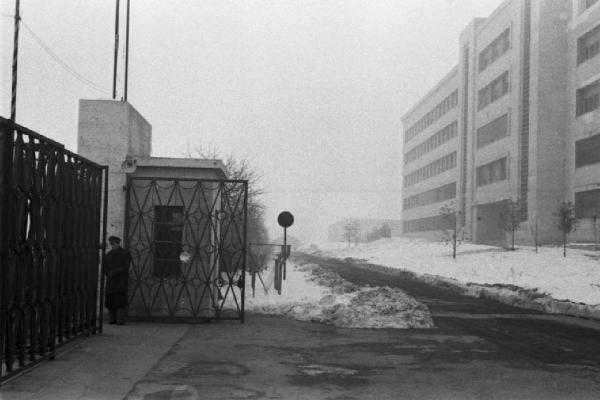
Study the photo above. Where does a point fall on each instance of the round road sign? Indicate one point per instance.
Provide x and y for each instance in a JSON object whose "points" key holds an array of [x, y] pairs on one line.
{"points": [[285, 219]]}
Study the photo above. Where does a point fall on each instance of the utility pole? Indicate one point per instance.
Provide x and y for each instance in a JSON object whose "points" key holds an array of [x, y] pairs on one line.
{"points": [[13, 100], [116, 51], [126, 53]]}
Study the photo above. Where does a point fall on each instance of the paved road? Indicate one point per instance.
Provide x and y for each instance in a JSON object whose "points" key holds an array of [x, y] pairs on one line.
{"points": [[478, 350], [529, 336]]}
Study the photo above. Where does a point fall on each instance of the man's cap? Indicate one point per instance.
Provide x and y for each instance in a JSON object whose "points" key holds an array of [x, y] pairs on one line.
{"points": [[114, 239]]}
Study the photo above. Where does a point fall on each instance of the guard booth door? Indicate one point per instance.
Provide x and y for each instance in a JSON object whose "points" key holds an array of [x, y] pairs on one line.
{"points": [[187, 239]]}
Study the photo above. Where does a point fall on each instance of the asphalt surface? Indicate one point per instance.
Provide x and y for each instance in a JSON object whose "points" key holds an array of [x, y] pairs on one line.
{"points": [[479, 349], [530, 336]]}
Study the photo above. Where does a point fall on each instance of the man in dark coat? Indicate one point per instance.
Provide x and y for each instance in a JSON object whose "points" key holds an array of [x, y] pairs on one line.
{"points": [[116, 268]]}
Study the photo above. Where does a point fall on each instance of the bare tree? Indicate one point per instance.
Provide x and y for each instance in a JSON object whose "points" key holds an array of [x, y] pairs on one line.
{"points": [[511, 216], [455, 235], [351, 231], [240, 168], [533, 229], [567, 221]]}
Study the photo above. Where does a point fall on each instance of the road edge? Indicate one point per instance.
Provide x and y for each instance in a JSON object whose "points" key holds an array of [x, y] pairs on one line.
{"points": [[506, 294]]}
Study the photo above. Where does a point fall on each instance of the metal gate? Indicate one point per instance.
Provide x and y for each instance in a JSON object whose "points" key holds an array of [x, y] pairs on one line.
{"points": [[187, 239], [50, 230]]}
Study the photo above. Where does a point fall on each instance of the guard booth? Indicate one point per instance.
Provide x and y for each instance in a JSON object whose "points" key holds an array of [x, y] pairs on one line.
{"points": [[182, 220], [187, 239]]}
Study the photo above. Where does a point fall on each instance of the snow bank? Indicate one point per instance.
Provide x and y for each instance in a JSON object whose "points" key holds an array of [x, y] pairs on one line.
{"points": [[544, 280], [311, 293]]}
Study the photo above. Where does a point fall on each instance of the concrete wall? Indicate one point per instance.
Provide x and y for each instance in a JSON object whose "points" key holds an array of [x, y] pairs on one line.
{"points": [[180, 173], [109, 131], [549, 115]]}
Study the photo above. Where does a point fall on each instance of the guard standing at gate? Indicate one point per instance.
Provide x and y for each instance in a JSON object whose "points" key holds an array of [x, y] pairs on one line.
{"points": [[116, 269]]}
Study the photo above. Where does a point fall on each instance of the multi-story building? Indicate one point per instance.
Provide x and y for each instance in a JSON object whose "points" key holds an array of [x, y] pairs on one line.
{"points": [[583, 180], [527, 123]]}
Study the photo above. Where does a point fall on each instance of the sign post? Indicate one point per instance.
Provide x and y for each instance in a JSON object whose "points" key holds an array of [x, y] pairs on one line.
{"points": [[285, 220]]}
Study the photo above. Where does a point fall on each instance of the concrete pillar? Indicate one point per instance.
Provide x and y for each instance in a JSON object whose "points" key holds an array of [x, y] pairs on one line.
{"points": [[108, 132]]}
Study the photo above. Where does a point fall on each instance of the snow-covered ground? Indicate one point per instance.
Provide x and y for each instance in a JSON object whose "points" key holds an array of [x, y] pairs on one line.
{"points": [[575, 278], [568, 285], [310, 293]]}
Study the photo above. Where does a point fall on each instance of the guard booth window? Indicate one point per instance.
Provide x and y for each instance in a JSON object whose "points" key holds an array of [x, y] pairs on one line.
{"points": [[168, 236]]}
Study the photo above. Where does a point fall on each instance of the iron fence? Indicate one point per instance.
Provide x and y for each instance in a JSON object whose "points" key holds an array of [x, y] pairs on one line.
{"points": [[261, 255], [51, 203]]}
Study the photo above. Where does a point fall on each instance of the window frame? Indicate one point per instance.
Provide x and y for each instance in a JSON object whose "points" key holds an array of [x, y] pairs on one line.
{"points": [[167, 267], [583, 101], [588, 45]]}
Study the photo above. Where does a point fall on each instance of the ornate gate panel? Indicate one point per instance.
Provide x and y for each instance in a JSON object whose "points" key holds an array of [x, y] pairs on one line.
{"points": [[187, 239], [50, 205]]}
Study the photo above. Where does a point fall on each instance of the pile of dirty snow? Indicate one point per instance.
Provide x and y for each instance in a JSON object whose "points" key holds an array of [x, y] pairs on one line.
{"points": [[311, 293]]}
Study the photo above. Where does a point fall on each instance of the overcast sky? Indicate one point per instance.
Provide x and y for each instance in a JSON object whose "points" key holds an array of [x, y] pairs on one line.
{"points": [[311, 91]]}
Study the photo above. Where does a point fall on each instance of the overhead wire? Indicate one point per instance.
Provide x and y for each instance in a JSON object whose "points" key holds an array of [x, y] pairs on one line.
{"points": [[62, 63]]}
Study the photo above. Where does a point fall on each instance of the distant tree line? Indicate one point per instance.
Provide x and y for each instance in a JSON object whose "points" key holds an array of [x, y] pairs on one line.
{"points": [[382, 232], [353, 234]]}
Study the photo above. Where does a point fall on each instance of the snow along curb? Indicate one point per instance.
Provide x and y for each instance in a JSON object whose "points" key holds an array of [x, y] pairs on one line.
{"points": [[503, 293], [346, 305]]}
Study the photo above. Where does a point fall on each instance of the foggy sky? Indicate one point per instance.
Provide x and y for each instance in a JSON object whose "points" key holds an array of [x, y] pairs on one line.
{"points": [[312, 92]]}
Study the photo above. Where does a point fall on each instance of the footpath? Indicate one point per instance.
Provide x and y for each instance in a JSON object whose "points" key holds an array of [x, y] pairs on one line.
{"points": [[98, 367]]}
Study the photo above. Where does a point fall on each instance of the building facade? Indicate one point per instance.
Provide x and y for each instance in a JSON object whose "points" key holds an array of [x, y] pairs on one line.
{"points": [[527, 85], [431, 155], [584, 108]]}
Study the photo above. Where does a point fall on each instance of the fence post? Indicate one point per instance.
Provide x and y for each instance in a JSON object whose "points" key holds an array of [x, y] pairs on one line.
{"points": [[6, 145], [244, 252], [103, 251]]}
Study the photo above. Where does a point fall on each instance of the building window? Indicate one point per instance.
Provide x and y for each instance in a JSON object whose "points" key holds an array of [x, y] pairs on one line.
{"points": [[168, 235], [587, 204], [494, 50], [493, 131], [433, 115], [587, 151], [493, 91], [433, 142], [588, 98], [585, 4], [432, 196], [588, 45], [492, 172], [437, 222], [435, 168]]}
